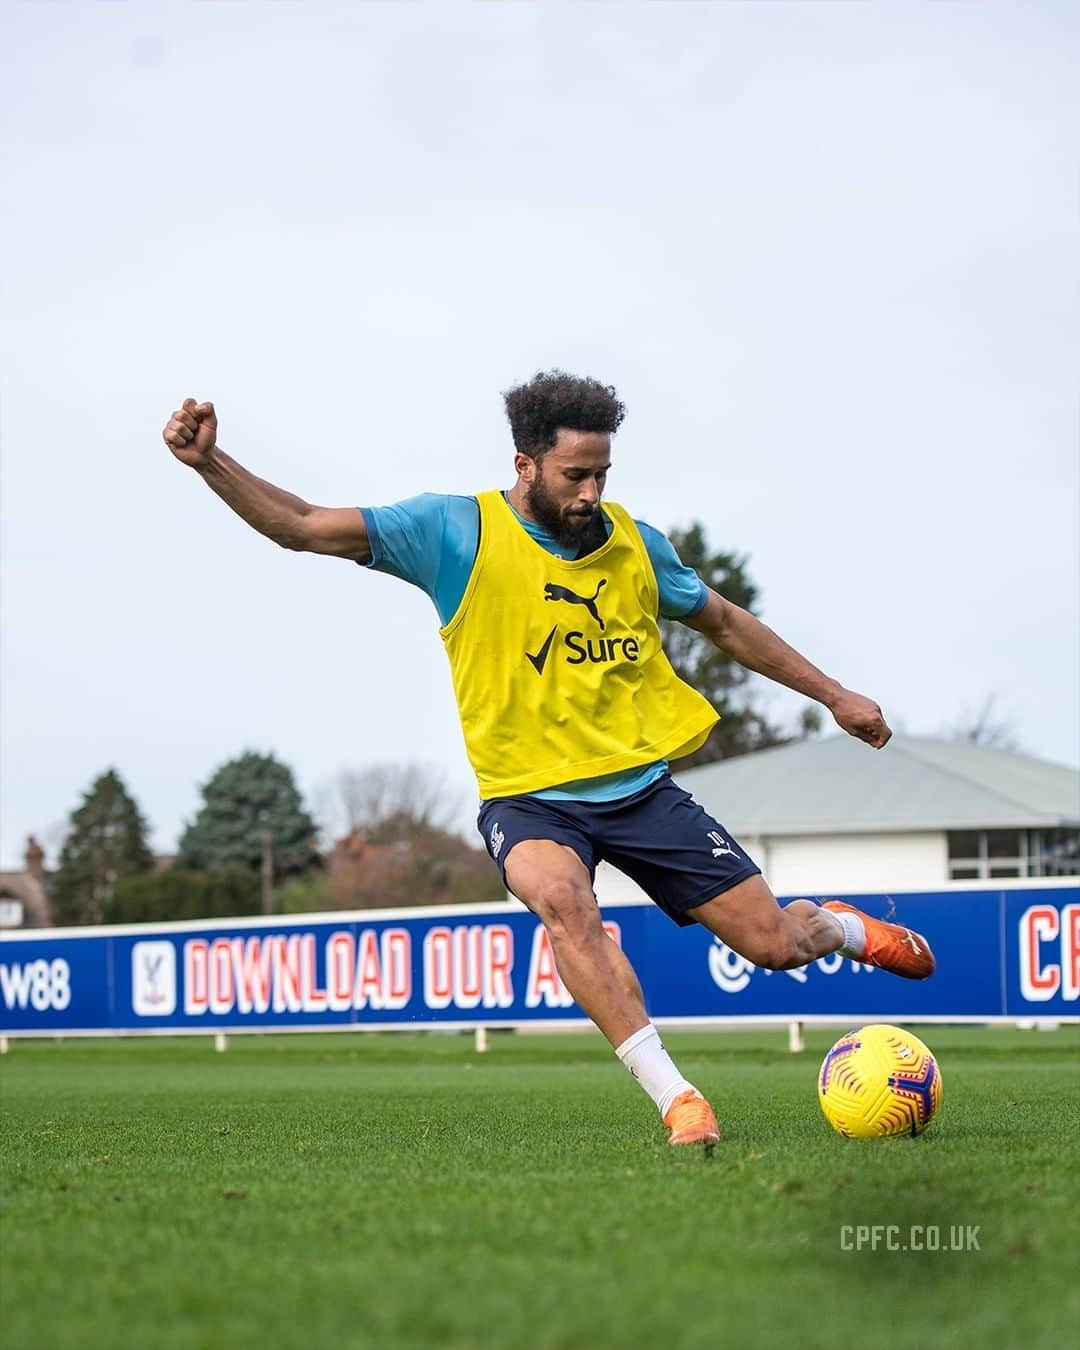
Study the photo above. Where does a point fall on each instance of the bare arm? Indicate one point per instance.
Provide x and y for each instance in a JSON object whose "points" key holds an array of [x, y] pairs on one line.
{"points": [[758, 648], [191, 434]]}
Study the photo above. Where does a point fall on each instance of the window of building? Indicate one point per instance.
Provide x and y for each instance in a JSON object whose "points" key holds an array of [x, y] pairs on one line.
{"points": [[984, 854], [1055, 853]]}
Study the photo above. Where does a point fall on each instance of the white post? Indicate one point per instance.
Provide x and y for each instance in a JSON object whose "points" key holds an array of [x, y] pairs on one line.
{"points": [[221, 1042], [795, 1037], [481, 1040], [3, 1045]]}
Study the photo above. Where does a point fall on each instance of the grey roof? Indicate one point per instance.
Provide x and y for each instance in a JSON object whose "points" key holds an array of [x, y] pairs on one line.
{"points": [[841, 786]]}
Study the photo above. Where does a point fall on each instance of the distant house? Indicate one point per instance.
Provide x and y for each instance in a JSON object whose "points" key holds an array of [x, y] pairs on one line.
{"points": [[834, 815], [361, 873], [24, 895], [431, 867]]}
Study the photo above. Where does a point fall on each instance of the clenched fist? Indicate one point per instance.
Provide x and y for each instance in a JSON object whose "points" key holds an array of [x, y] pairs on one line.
{"points": [[191, 433], [861, 717]]}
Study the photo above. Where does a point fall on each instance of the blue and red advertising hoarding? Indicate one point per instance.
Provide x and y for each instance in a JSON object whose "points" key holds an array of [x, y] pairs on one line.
{"points": [[1003, 954]]}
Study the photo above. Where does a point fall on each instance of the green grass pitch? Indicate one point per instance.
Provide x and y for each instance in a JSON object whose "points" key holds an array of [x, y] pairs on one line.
{"points": [[384, 1191]]}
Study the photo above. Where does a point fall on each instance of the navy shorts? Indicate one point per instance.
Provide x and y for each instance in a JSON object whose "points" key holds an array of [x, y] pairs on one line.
{"points": [[660, 837]]}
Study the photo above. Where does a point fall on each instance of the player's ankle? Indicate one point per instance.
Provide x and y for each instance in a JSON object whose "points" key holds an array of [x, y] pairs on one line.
{"points": [[852, 933], [675, 1091], [644, 1055]]}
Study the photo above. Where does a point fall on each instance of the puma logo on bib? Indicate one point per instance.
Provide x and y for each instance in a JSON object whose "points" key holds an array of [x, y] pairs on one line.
{"points": [[557, 663], [553, 591]]}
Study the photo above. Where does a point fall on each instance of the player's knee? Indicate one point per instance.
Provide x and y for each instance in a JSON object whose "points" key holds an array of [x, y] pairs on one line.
{"points": [[568, 911]]}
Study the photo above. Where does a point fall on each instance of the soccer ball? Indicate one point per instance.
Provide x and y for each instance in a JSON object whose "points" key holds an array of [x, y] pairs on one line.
{"points": [[879, 1081]]}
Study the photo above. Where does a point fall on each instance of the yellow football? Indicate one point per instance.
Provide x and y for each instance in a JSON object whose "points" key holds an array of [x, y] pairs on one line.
{"points": [[879, 1081]]}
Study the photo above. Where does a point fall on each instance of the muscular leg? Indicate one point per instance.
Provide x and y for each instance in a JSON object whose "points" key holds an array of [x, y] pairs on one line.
{"points": [[554, 883], [750, 921]]}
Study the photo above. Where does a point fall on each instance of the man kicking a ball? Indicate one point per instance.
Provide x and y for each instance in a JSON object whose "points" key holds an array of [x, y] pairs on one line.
{"points": [[550, 606]]}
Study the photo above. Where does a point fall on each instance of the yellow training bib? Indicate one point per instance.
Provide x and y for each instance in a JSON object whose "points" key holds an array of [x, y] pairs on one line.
{"points": [[557, 666]]}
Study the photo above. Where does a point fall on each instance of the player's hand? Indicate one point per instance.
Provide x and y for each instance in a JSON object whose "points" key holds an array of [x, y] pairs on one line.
{"points": [[860, 716], [191, 433]]}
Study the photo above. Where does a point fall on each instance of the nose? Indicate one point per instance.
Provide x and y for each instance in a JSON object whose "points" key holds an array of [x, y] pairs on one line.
{"points": [[589, 492]]}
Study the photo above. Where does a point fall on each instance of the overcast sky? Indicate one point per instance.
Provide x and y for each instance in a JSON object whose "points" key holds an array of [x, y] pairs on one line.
{"points": [[826, 252]]}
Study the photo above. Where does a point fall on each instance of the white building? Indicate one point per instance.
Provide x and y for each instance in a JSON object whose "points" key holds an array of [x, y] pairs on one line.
{"points": [[834, 816]]}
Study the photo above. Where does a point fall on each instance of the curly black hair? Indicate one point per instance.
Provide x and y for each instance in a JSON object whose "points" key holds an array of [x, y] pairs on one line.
{"points": [[553, 399]]}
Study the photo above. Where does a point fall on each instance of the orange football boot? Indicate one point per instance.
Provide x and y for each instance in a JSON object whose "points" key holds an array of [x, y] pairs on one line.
{"points": [[691, 1121], [890, 946]]}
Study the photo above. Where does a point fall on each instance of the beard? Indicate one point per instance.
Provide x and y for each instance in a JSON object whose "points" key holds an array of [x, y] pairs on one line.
{"points": [[575, 528]]}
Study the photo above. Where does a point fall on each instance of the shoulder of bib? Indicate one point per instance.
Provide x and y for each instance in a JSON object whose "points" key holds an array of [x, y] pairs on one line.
{"points": [[487, 504], [625, 521]]}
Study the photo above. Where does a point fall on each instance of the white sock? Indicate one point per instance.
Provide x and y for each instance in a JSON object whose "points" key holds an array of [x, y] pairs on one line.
{"points": [[644, 1055], [854, 943]]}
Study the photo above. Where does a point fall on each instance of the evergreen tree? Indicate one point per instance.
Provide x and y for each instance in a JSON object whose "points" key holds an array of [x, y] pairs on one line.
{"points": [[160, 897], [245, 797], [713, 673], [106, 842]]}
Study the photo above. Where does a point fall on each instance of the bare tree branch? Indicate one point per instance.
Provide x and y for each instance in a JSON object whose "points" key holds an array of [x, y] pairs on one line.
{"points": [[383, 798], [984, 728]]}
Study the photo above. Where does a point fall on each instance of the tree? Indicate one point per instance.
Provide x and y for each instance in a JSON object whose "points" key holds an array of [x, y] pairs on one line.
{"points": [[985, 728], [106, 842], [385, 799], [713, 673], [243, 799], [176, 893]]}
